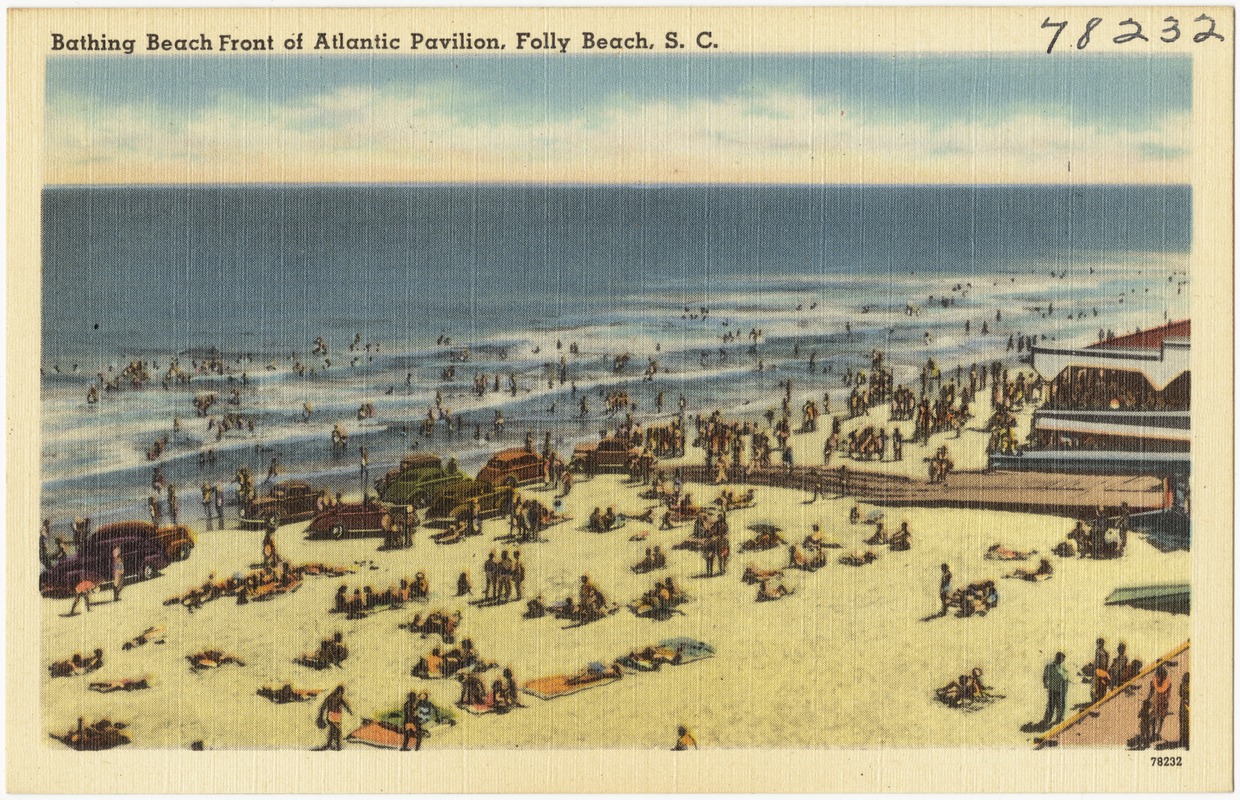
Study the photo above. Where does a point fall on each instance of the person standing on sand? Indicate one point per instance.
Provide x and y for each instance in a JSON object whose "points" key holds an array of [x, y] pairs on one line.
{"points": [[1183, 718], [945, 589], [118, 574], [518, 572], [413, 724], [81, 592], [219, 501], [331, 715], [1160, 699], [1055, 679]]}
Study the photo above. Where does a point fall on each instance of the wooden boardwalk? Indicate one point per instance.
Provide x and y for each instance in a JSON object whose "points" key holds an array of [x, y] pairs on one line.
{"points": [[1113, 720], [1032, 492]]}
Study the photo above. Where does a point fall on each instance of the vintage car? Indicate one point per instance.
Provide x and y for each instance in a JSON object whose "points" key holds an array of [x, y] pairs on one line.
{"points": [[176, 541], [348, 519], [142, 555], [288, 501], [611, 454], [418, 480], [454, 501], [513, 467]]}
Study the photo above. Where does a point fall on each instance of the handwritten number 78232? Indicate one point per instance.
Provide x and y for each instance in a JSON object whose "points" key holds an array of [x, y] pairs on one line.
{"points": [[1130, 30]]}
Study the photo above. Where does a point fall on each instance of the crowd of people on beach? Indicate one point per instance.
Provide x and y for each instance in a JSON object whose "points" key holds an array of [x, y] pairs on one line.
{"points": [[732, 448]]}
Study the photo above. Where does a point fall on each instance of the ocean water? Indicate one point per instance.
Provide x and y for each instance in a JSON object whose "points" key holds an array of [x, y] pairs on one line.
{"points": [[256, 273]]}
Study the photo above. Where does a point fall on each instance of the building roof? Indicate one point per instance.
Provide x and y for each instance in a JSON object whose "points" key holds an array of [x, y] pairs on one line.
{"points": [[1151, 339]]}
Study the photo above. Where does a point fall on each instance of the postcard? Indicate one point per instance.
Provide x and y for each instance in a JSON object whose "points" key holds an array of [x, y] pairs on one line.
{"points": [[620, 400]]}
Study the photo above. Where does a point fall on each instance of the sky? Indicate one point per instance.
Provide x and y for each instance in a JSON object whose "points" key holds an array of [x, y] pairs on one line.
{"points": [[644, 119]]}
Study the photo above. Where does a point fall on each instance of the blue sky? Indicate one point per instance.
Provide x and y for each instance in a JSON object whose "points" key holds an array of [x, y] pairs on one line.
{"points": [[780, 118]]}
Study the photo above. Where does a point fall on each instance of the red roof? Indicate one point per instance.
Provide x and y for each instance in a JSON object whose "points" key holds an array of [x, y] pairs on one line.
{"points": [[1151, 339]]}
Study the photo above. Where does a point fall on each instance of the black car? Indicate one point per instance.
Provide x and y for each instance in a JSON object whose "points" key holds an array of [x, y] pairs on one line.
{"points": [[142, 556]]}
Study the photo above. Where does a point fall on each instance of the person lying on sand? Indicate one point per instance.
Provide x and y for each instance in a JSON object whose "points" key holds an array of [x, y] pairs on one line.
{"points": [[209, 659], [1042, 573], [120, 685], [997, 552], [77, 664], [148, 635], [287, 694], [646, 516], [102, 735], [755, 575], [595, 672], [858, 558], [765, 540]]}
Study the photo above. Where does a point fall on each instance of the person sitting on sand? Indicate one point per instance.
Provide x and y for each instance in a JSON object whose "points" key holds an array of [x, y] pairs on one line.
{"points": [[880, 535], [646, 564], [341, 603], [902, 539], [592, 600], [596, 520], [420, 588], [1042, 573], [684, 740], [767, 590], [536, 608], [332, 652], [965, 689], [473, 690], [429, 665]]}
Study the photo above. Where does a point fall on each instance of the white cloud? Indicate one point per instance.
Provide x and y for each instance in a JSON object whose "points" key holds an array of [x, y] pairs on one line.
{"points": [[436, 134]]}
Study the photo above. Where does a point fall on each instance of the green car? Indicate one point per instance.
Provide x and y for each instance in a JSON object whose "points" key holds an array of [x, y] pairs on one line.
{"points": [[418, 480], [454, 502]]}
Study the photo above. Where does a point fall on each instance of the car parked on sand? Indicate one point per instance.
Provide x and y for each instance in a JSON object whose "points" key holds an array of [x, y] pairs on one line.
{"points": [[611, 454], [513, 467], [142, 555], [176, 541], [288, 501], [348, 519], [418, 480], [455, 501]]}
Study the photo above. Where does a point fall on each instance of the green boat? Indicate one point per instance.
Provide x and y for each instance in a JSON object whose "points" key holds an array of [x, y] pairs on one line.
{"points": [[1170, 597]]}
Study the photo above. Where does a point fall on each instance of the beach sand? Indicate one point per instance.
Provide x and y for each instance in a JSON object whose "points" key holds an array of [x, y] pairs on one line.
{"points": [[852, 658]]}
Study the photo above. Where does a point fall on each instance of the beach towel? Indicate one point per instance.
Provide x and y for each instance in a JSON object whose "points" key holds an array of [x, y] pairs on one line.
{"points": [[694, 649], [387, 730], [559, 685]]}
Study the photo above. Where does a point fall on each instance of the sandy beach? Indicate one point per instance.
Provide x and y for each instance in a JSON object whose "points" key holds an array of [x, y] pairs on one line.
{"points": [[851, 658]]}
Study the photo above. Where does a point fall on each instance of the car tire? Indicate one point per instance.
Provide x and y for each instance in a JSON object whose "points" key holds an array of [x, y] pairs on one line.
{"points": [[337, 531], [148, 571], [183, 551]]}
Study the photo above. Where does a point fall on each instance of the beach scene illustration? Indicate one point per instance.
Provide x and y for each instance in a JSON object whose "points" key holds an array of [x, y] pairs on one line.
{"points": [[632, 401]]}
